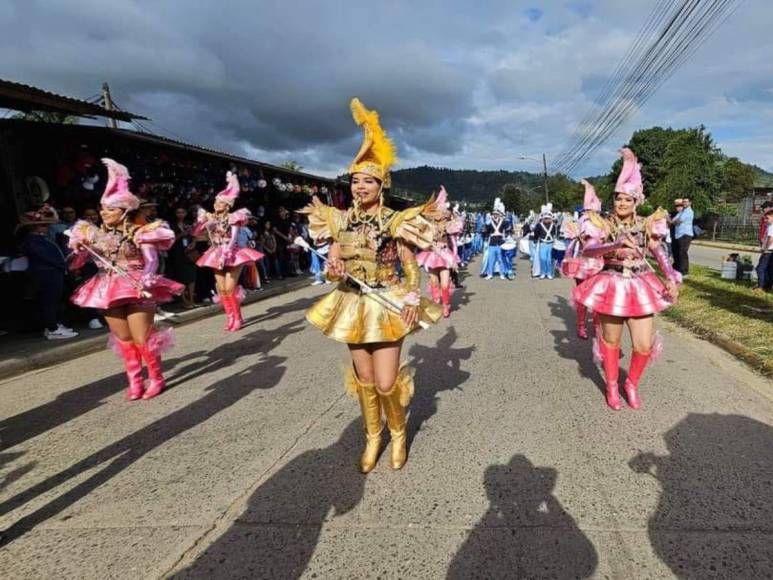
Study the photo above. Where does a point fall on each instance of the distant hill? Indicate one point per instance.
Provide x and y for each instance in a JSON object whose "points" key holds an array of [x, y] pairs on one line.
{"points": [[462, 184], [762, 178]]}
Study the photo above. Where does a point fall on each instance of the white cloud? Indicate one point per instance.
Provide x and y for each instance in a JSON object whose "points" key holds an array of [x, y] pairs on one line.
{"points": [[457, 84]]}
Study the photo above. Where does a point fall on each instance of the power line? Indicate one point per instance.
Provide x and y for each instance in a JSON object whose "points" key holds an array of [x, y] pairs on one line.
{"points": [[667, 39]]}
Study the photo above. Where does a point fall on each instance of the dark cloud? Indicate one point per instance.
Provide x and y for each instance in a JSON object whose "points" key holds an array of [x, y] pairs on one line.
{"points": [[456, 83]]}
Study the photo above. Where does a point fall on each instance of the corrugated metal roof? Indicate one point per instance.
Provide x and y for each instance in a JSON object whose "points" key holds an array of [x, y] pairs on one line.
{"points": [[21, 97]]}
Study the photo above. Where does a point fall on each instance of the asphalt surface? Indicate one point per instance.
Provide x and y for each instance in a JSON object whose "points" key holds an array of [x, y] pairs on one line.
{"points": [[247, 466]]}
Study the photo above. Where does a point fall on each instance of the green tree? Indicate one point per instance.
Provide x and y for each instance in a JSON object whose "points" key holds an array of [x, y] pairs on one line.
{"points": [[691, 169], [291, 165], [737, 179], [47, 117], [520, 199]]}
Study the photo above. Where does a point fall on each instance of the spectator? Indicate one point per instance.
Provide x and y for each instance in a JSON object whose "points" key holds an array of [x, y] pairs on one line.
{"points": [[91, 215], [683, 234], [765, 265], [56, 231], [47, 267], [678, 207], [183, 256], [283, 239], [270, 247]]}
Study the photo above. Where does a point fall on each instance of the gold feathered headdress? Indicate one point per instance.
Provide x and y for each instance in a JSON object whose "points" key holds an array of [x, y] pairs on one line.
{"points": [[377, 154]]}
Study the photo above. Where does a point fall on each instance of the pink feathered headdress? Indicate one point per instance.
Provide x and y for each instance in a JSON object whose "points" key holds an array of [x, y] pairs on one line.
{"points": [[231, 191], [117, 192], [630, 181], [442, 199], [591, 201]]}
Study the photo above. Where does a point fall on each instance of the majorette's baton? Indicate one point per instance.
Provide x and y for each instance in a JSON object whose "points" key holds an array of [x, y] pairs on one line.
{"points": [[112, 267], [395, 307]]}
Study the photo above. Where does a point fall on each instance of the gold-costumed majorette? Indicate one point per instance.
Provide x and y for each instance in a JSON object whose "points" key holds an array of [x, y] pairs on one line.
{"points": [[366, 242]]}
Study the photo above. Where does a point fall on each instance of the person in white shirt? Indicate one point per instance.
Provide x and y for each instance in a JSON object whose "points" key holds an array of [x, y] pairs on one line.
{"points": [[765, 265]]}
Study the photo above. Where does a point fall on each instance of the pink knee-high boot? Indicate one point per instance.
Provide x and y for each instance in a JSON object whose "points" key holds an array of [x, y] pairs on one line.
{"points": [[445, 294], [151, 352], [225, 300], [639, 362], [132, 360], [236, 312], [596, 324], [582, 329], [610, 361]]}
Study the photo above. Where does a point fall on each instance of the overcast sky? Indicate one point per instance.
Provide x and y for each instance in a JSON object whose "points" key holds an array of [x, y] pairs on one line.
{"points": [[458, 83]]}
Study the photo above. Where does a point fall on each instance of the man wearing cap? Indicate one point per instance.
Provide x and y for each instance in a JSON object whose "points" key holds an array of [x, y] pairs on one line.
{"points": [[47, 267], [683, 234]]}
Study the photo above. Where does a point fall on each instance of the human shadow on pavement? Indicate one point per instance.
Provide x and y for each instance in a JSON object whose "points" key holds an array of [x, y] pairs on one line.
{"points": [[226, 354], [715, 514], [67, 406], [276, 311], [525, 533], [567, 345], [266, 373], [459, 301], [278, 532], [438, 369], [17, 473]]}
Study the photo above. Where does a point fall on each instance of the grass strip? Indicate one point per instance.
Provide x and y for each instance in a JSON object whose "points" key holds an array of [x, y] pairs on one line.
{"points": [[729, 314]]}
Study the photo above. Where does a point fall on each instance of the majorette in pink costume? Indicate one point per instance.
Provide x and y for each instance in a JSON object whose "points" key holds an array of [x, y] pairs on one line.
{"points": [[442, 256], [575, 265], [627, 287], [223, 255], [127, 257]]}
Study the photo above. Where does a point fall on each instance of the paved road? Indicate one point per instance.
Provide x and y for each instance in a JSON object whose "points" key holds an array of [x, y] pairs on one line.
{"points": [[246, 467]]}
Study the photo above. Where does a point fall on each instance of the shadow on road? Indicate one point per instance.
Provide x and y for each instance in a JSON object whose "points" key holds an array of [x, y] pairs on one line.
{"points": [[525, 533], [276, 311], [715, 514], [567, 345], [265, 374], [438, 369], [278, 532], [66, 407]]}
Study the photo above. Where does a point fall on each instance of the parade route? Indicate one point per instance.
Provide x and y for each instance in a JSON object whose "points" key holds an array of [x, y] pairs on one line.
{"points": [[247, 466]]}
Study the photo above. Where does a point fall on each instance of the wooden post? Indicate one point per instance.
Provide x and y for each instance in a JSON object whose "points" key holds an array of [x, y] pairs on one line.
{"points": [[108, 103]]}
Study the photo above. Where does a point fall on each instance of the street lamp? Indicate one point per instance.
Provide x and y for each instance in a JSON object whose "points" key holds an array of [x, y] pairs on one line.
{"points": [[544, 174]]}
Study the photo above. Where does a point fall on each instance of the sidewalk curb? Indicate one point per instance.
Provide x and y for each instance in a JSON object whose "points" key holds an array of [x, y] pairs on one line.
{"points": [[732, 347], [726, 246], [65, 352]]}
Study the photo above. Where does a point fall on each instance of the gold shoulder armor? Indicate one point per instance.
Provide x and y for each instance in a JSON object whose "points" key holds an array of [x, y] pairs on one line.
{"points": [[325, 222]]}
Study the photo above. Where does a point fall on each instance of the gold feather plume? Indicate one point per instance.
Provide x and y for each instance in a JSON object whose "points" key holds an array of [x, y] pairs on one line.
{"points": [[378, 153]]}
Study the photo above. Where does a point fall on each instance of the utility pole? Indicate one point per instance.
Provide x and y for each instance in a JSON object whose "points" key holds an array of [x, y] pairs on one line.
{"points": [[108, 103], [545, 174]]}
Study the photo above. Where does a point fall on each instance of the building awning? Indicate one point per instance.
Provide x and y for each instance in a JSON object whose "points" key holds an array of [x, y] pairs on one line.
{"points": [[25, 98]]}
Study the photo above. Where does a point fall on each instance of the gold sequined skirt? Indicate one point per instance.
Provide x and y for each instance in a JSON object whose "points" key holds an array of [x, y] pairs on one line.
{"points": [[348, 316]]}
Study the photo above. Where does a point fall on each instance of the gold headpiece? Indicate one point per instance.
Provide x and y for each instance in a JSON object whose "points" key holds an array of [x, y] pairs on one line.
{"points": [[377, 154]]}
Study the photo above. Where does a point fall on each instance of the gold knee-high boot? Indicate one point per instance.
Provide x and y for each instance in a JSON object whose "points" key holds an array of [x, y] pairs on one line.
{"points": [[395, 403], [371, 418]]}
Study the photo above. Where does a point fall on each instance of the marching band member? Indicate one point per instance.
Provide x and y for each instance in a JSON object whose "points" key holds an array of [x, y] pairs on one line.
{"points": [[127, 288], [371, 310], [627, 292], [441, 258], [224, 255]]}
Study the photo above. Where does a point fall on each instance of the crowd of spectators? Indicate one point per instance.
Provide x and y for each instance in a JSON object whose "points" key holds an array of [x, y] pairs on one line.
{"points": [[173, 188]]}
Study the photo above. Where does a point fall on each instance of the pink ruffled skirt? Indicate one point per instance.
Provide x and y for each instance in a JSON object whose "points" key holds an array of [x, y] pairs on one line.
{"points": [[612, 293], [106, 290], [444, 258], [213, 258]]}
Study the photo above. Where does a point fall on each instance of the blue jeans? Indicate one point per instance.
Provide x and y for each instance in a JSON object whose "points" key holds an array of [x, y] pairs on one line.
{"points": [[493, 256], [507, 261], [546, 259], [765, 271]]}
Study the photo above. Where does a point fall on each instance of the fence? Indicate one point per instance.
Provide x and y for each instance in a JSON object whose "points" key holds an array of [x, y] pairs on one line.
{"points": [[747, 234]]}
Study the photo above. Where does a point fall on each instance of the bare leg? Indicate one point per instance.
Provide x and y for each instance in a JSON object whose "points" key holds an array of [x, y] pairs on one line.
{"points": [[445, 291], [117, 323], [434, 285], [140, 321], [231, 279]]}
